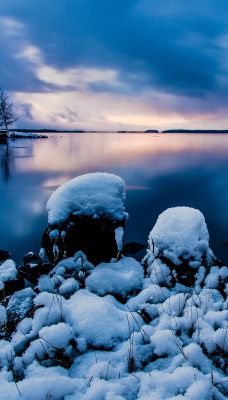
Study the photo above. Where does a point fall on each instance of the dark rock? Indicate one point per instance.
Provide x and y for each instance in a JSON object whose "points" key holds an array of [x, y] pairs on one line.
{"points": [[94, 237], [4, 255], [11, 287], [31, 257], [34, 267], [135, 250]]}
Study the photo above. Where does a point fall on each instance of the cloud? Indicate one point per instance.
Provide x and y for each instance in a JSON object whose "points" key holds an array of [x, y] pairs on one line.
{"points": [[67, 116], [25, 111], [133, 48], [170, 43]]}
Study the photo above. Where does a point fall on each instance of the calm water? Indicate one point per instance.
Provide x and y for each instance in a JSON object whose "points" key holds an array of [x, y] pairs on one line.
{"points": [[160, 171]]}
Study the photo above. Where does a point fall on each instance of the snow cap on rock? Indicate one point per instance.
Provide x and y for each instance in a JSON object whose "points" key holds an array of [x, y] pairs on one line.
{"points": [[8, 271], [180, 233], [95, 195]]}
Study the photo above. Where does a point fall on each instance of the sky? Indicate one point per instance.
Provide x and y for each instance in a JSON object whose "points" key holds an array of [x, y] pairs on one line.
{"points": [[114, 64]]}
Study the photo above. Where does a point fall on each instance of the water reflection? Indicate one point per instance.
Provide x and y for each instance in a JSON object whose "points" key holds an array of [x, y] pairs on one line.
{"points": [[6, 160], [160, 171]]}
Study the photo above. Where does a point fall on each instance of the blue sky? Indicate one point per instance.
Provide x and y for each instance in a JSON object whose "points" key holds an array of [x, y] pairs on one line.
{"points": [[114, 64]]}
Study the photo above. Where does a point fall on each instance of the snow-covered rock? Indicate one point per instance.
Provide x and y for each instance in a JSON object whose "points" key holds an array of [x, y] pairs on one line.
{"points": [[19, 306], [181, 234], [10, 281], [93, 195], [86, 213], [113, 333], [180, 241]]}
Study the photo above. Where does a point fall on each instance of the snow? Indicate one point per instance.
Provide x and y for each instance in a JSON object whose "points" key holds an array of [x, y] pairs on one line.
{"points": [[25, 135], [95, 195], [122, 330], [67, 276], [101, 321], [119, 237], [122, 277], [180, 233], [221, 338], [54, 234], [8, 271], [165, 342], [2, 315], [20, 304], [68, 287]]}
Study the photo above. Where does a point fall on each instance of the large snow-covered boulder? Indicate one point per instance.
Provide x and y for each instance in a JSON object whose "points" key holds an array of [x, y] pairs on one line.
{"points": [[87, 213], [180, 233], [179, 240]]}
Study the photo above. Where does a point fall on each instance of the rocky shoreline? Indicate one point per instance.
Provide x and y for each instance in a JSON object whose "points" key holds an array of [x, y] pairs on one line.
{"points": [[6, 134], [85, 320]]}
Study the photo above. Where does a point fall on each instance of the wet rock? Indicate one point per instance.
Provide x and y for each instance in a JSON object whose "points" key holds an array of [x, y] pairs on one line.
{"points": [[135, 250], [94, 237], [4, 255], [30, 258], [34, 266]]}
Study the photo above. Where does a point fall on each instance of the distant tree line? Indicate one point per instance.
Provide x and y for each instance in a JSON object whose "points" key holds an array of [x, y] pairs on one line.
{"points": [[196, 131]]}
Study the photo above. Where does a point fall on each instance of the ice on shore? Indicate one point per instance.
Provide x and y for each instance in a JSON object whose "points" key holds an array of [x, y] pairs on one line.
{"points": [[28, 135]]}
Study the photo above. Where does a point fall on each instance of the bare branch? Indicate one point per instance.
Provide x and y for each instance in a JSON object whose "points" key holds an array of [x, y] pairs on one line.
{"points": [[7, 116]]}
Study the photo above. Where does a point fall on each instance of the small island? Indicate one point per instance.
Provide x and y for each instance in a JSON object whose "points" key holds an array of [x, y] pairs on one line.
{"points": [[195, 131]]}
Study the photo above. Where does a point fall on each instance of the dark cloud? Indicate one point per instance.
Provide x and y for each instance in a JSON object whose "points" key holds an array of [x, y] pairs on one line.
{"points": [[16, 73], [174, 47]]}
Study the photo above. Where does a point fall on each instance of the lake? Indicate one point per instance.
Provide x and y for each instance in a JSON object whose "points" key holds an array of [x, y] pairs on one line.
{"points": [[160, 171]]}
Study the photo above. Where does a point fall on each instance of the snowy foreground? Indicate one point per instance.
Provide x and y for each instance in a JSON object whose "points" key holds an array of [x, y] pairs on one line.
{"points": [[123, 329]]}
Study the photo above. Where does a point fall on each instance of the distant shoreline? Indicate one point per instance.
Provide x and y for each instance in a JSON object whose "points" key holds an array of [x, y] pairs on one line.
{"points": [[122, 131], [196, 131], [45, 131]]}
